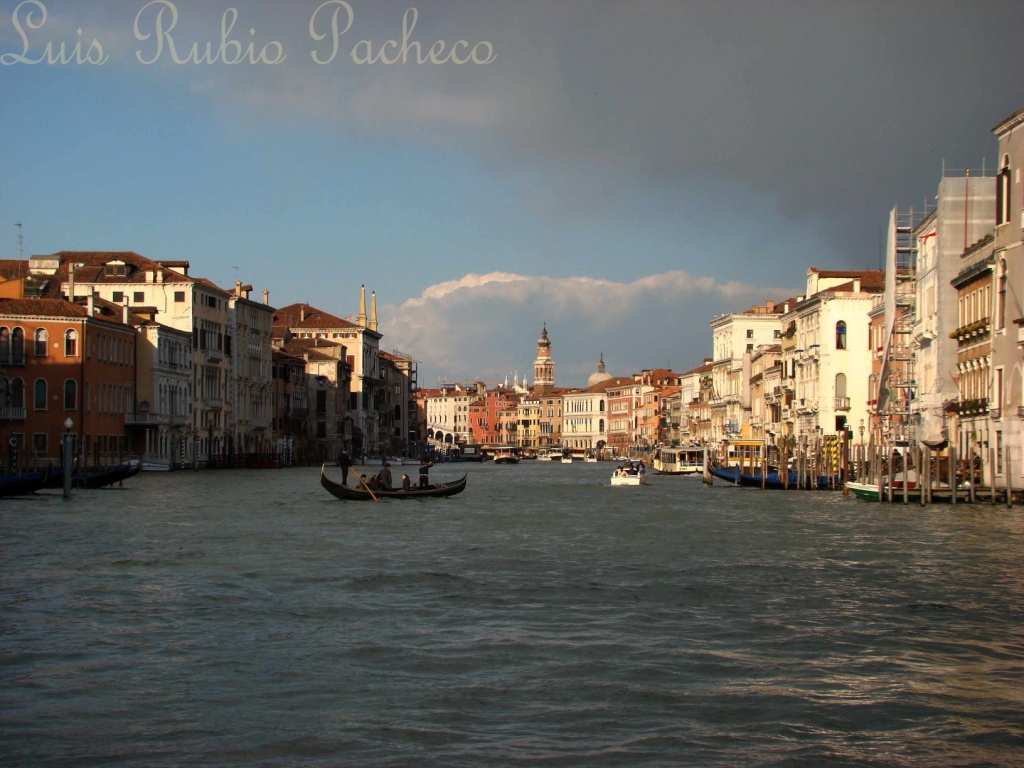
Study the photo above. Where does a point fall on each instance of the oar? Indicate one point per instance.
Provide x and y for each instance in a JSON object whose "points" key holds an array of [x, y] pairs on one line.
{"points": [[363, 482]]}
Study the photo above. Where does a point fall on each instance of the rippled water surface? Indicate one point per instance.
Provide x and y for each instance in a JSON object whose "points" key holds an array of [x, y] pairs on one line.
{"points": [[540, 618]]}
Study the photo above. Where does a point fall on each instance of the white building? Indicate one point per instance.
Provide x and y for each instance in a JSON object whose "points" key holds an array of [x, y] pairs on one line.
{"points": [[964, 214]]}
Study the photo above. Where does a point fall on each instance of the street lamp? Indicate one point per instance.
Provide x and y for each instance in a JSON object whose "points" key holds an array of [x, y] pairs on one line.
{"points": [[68, 424]]}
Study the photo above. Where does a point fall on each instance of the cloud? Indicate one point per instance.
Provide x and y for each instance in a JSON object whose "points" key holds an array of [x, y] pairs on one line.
{"points": [[485, 326]]}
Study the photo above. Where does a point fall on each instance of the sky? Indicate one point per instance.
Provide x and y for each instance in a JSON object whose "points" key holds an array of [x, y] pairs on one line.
{"points": [[622, 172]]}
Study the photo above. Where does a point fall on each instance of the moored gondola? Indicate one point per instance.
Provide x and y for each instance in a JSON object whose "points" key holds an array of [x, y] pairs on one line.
{"points": [[346, 493]]}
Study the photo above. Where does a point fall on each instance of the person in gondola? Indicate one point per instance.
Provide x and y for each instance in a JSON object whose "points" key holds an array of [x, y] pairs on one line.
{"points": [[406, 483], [385, 477], [424, 470], [344, 461], [362, 482]]}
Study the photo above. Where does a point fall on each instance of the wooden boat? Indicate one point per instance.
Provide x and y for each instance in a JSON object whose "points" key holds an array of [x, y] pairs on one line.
{"points": [[506, 456], [25, 483], [346, 493], [773, 481], [630, 472], [688, 460]]}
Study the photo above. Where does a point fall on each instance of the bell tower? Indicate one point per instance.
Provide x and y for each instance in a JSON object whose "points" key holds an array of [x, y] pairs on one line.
{"points": [[543, 366]]}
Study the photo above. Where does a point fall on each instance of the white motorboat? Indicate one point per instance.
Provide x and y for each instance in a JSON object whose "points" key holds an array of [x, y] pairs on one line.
{"points": [[632, 472]]}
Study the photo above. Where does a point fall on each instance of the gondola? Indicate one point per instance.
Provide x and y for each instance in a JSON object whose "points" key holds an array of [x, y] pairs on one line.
{"points": [[20, 485], [361, 494], [97, 479], [773, 481]]}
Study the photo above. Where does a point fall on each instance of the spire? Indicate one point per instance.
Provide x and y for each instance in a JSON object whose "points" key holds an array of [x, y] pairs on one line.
{"points": [[600, 364], [373, 310], [361, 319], [543, 366]]}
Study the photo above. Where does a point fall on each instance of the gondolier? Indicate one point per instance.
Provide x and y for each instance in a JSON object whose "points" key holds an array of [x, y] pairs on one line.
{"points": [[344, 462], [424, 481]]}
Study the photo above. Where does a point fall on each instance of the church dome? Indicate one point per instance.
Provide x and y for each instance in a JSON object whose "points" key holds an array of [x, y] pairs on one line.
{"points": [[599, 375]]}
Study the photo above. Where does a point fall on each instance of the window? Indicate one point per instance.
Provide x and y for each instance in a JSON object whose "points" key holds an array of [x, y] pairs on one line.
{"points": [[840, 385], [41, 338], [1003, 192], [778, 333], [115, 270], [17, 393], [997, 392], [5, 345], [117, 297], [840, 335], [750, 333], [1001, 295], [750, 348], [39, 442], [39, 395], [70, 395], [71, 343], [179, 297], [18, 346], [138, 297]]}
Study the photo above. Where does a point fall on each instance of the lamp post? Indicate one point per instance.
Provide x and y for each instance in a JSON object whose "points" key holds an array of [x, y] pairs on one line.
{"points": [[68, 424]]}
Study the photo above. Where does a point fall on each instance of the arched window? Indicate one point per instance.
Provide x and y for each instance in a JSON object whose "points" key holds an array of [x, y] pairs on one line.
{"points": [[600, 425], [17, 393], [1003, 192], [601, 409], [5, 345], [39, 395], [841, 335], [71, 343], [41, 339], [1001, 295], [840, 385], [70, 395], [18, 346]]}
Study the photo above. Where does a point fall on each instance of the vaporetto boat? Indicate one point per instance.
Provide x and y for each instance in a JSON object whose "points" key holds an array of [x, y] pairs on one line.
{"points": [[685, 460]]}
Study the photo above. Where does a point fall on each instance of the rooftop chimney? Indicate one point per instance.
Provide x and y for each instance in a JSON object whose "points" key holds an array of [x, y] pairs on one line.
{"points": [[373, 311], [266, 297]]}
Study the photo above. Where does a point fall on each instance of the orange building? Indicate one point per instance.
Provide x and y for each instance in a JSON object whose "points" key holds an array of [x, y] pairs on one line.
{"points": [[61, 361]]}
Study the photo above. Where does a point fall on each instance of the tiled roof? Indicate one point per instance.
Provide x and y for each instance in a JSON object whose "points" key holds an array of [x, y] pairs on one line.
{"points": [[870, 279], [89, 268], [314, 318], [40, 308]]}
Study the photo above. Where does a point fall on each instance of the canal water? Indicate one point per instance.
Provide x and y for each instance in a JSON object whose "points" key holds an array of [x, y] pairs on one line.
{"points": [[248, 618]]}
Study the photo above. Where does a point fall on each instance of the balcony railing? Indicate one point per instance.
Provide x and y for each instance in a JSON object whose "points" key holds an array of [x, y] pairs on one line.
{"points": [[143, 419], [13, 414], [842, 404], [259, 423]]}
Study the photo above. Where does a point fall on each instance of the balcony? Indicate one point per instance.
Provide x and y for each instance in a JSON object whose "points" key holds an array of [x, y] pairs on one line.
{"points": [[177, 419], [842, 404], [13, 414], [213, 355], [259, 424], [142, 419]]}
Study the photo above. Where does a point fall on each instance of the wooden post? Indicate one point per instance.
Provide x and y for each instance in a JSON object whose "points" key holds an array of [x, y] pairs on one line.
{"points": [[1009, 478], [970, 462], [879, 478], [952, 472], [926, 492], [906, 478], [992, 472]]}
